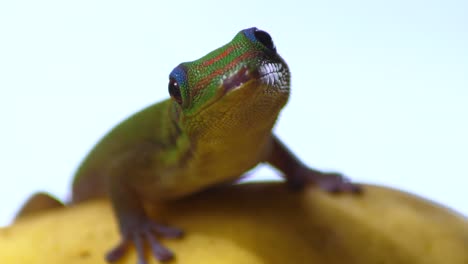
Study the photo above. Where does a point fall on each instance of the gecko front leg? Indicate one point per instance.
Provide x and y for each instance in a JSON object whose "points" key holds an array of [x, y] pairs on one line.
{"points": [[298, 175], [135, 226], [137, 229]]}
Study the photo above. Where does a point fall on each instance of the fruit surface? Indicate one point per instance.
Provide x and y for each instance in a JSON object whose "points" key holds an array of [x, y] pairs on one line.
{"points": [[258, 223]]}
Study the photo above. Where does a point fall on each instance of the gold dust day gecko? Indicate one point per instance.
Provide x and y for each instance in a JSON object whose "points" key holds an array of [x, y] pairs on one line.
{"points": [[216, 125]]}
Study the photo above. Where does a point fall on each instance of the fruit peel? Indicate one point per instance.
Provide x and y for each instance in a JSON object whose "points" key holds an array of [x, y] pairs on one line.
{"points": [[257, 223]]}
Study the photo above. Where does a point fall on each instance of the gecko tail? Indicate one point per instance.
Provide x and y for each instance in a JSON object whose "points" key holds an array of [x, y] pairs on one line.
{"points": [[38, 202]]}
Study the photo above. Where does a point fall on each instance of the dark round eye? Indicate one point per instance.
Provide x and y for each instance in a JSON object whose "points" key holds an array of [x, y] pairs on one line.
{"points": [[174, 90], [265, 39]]}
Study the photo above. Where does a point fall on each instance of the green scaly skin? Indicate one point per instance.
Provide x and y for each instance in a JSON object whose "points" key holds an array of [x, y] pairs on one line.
{"points": [[216, 126]]}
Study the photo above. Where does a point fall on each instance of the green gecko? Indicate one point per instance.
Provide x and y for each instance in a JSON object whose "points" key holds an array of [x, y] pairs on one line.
{"points": [[216, 126]]}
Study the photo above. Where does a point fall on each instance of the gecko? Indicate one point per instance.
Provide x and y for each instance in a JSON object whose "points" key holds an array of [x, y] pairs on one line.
{"points": [[216, 125]]}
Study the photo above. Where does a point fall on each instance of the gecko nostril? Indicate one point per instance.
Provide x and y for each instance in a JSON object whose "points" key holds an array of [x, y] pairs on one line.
{"points": [[265, 38]]}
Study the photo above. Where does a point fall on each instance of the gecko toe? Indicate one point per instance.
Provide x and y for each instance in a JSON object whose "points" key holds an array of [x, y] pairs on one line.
{"points": [[160, 252], [336, 183], [140, 248], [145, 234], [166, 231], [118, 251], [330, 182]]}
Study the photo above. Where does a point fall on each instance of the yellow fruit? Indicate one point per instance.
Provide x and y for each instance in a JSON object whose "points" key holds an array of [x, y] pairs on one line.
{"points": [[258, 223]]}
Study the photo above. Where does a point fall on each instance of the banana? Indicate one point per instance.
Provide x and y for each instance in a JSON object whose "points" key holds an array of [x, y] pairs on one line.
{"points": [[257, 223]]}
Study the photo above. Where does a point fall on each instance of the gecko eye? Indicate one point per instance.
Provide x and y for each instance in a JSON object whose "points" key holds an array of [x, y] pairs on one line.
{"points": [[174, 90], [265, 39]]}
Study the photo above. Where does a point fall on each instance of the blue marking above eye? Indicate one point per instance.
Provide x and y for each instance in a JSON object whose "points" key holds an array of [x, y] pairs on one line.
{"points": [[179, 74], [250, 33]]}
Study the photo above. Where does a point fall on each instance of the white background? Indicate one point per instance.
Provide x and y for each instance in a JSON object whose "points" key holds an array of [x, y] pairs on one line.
{"points": [[379, 91]]}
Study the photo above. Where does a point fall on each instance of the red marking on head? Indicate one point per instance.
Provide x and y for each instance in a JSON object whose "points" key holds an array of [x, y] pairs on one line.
{"points": [[223, 54], [205, 81]]}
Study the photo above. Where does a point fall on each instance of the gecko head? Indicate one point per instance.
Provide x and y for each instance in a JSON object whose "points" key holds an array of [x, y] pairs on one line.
{"points": [[244, 80]]}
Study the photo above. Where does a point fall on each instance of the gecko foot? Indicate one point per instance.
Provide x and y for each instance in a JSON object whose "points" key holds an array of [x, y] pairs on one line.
{"points": [[330, 182], [140, 234]]}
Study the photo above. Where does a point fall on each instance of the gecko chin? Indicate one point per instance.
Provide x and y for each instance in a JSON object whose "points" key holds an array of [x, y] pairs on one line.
{"points": [[274, 76]]}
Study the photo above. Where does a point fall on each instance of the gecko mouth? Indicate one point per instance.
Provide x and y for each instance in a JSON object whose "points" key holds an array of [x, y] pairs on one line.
{"points": [[273, 75]]}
